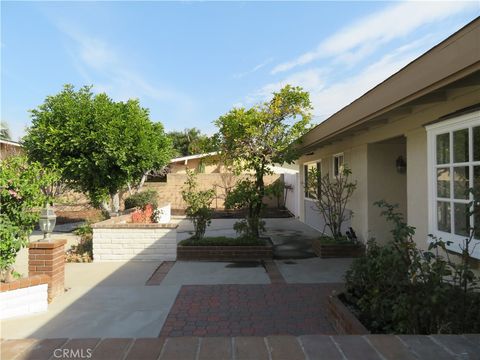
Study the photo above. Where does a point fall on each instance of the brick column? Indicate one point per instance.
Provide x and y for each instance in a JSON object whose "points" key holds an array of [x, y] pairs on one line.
{"points": [[48, 258]]}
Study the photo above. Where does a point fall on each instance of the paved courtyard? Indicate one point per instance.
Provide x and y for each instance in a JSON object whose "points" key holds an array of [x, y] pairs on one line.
{"points": [[255, 310]]}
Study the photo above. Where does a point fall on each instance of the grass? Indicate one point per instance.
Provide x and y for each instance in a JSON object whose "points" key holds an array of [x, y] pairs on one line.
{"points": [[223, 241], [328, 240]]}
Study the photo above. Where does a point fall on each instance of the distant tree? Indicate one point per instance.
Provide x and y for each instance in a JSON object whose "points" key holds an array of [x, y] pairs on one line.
{"points": [[4, 131], [190, 142], [254, 139], [100, 146]]}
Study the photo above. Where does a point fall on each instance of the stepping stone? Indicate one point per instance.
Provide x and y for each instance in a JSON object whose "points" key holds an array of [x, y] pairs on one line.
{"points": [[184, 348], [249, 347], [320, 347], [355, 347], [285, 348], [215, 348]]}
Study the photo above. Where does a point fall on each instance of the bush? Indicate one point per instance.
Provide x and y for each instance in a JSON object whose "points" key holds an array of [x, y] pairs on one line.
{"points": [[143, 215], [83, 252], [198, 205], [22, 186], [141, 199], [398, 288]]}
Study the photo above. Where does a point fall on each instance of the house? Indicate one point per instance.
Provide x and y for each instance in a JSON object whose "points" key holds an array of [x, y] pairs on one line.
{"points": [[413, 140], [210, 163], [10, 148]]}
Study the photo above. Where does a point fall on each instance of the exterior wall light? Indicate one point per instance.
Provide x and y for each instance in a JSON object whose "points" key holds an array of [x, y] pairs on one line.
{"points": [[47, 222], [401, 165]]}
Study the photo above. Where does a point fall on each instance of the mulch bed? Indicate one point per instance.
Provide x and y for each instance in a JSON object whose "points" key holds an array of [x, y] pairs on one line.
{"points": [[250, 310], [90, 215]]}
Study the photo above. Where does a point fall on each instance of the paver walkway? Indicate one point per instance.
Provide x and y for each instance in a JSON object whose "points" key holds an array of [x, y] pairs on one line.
{"points": [[257, 310], [311, 347]]}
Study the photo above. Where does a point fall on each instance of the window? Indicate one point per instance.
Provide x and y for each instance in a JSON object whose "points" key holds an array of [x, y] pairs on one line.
{"points": [[306, 169], [454, 168], [337, 164]]}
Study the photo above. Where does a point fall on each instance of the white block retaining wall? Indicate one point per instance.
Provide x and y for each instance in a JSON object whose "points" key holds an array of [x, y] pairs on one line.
{"points": [[25, 301], [117, 240]]}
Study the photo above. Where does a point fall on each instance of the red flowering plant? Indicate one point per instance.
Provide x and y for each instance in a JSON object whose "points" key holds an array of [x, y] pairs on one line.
{"points": [[144, 215]]}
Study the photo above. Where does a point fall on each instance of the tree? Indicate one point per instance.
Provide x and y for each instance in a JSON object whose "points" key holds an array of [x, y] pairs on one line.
{"points": [[100, 146], [331, 197], [255, 138], [4, 131], [22, 193], [191, 141], [198, 205]]}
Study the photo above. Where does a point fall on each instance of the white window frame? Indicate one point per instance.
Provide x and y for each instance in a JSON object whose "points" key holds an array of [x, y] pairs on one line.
{"points": [[319, 161], [334, 157], [449, 126]]}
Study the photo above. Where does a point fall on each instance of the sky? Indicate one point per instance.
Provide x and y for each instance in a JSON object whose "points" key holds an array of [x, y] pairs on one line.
{"points": [[191, 62]]}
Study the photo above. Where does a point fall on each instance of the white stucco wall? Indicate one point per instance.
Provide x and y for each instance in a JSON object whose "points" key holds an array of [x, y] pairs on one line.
{"points": [[25, 301]]}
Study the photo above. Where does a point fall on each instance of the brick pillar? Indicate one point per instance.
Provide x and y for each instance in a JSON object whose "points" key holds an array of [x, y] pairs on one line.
{"points": [[48, 258]]}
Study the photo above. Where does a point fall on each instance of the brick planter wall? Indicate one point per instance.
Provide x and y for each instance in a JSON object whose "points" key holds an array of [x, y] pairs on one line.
{"points": [[337, 251], [225, 253], [342, 318], [24, 296], [48, 258], [118, 240]]}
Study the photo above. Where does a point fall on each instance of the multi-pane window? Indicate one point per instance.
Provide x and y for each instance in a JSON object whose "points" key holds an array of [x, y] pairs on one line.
{"points": [[455, 167], [337, 164], [307, 169]]}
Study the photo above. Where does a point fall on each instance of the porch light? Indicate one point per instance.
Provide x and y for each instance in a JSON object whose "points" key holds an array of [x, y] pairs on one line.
{"points": [[47, 222], [401, 165]]}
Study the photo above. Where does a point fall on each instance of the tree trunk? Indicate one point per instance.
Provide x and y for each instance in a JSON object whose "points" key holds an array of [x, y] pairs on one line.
{"points": [[115, 202]]}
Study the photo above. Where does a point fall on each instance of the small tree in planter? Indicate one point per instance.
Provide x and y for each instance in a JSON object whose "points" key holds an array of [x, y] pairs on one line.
{"points": [[254, 139], [22, 194], [332, 196], [198, 205]]}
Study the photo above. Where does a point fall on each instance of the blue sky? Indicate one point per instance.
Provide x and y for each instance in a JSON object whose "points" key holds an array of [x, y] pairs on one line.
{"points": [[190, 62]]}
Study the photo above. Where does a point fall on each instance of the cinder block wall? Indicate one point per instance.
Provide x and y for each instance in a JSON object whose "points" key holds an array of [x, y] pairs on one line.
{"points": [[171, 191]]}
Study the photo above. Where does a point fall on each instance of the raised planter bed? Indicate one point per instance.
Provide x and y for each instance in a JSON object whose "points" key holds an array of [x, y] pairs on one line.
{"points": [[337, 250], [225, 253], [24, 296], [342, 319]]}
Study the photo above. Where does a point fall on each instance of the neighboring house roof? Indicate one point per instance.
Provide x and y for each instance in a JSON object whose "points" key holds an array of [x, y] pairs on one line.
{"points": [[420, 82], [10, 142], [192, 157]]}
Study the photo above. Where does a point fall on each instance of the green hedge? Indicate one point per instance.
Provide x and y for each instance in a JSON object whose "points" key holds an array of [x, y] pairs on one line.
{"points": [[141, 199]]}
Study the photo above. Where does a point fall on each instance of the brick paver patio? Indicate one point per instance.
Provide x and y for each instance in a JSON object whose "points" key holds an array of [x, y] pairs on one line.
{"points": [[311, 347], [253, 310]]}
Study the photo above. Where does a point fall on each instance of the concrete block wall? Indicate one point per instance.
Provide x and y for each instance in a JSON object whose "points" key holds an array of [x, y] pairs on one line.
{"points": [[171, 191], [117, 240], [24, 301]]}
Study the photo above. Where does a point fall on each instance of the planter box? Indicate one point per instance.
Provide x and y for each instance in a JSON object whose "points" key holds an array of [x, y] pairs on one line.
{"points": [[24, 296], [117, 239], [225, 253], [337, 250], [342, 319]]}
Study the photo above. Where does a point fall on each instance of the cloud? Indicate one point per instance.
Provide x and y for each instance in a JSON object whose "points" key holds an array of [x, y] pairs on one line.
{"points": [[360, 39], [254, 69], [329, 93], [103, 66]]}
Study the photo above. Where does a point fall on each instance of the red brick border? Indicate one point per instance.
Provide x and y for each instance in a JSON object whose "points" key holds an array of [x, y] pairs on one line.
{"points": [[342, 319], [25, 282], [337, 251], [225, 253]]}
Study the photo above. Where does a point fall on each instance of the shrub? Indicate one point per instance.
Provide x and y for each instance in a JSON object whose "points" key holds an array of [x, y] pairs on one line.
{"points": [[143, 215], [83, 252], [21, 197], [198, 205], [401, 289], [141, 199], [223, 241]]}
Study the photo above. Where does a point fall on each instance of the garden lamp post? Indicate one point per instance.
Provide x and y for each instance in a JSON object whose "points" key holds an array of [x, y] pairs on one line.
{"points": [[47, 221]]}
